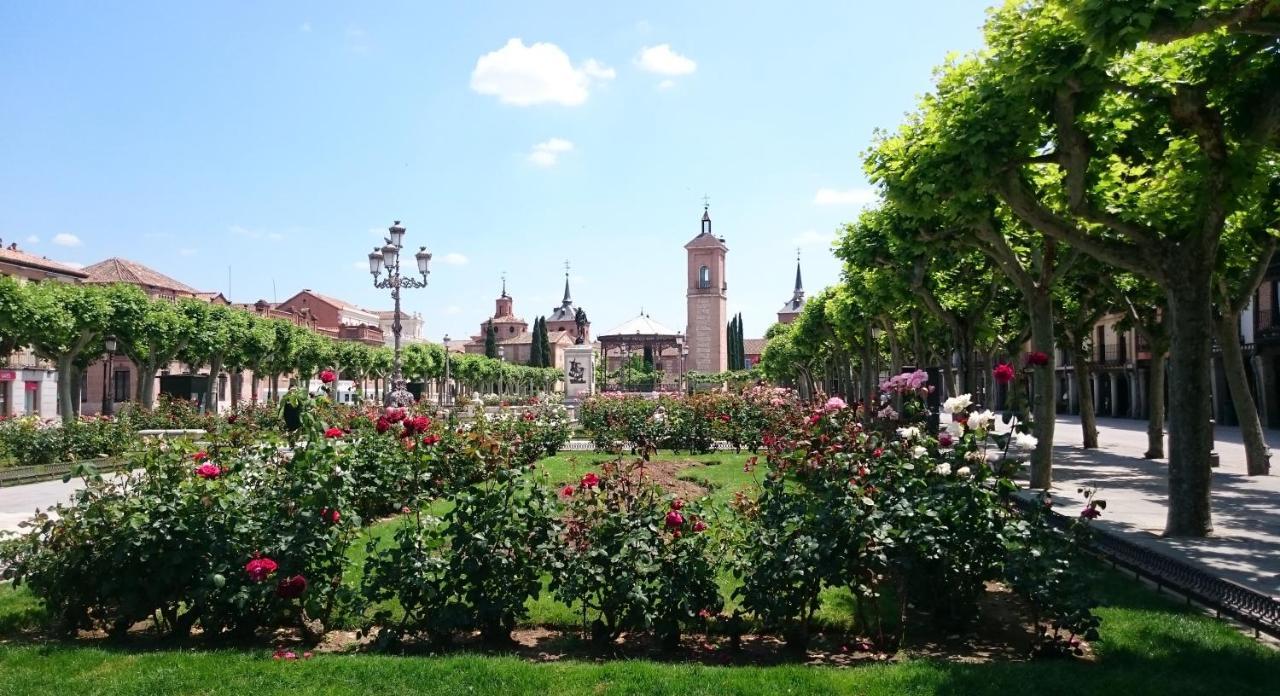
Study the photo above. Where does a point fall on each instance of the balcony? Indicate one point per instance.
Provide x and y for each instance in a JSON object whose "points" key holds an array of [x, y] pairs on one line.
{"points": [[1116, 353]]}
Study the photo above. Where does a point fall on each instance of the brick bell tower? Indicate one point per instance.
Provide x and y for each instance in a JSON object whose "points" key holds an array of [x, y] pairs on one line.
{"points": [[708, 300]]}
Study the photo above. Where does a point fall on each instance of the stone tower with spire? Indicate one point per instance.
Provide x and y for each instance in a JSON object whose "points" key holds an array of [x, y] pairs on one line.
{"points": [[792, 308], [708, 300], [564, 317]]}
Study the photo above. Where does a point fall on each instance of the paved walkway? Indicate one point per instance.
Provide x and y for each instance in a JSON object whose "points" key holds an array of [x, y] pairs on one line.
{"points": [[1245, 545], [1244, 548]]}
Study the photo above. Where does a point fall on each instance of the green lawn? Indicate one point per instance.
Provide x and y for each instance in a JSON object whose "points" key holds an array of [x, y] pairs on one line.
{"points": [[1150, 645]]}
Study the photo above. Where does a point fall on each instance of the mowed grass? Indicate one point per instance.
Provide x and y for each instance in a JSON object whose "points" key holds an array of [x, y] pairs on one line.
{"points": [[1151, 645]]}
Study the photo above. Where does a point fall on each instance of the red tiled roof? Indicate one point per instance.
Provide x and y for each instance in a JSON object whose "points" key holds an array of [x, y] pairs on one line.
{"points": [[753, 346], [118, 270], [22, 258]]}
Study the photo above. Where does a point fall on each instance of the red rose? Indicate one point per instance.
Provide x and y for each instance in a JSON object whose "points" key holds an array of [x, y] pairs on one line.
{"points": [[394, 415], [1091, 512], [590, 480], [1037, 358], [259, 568], [699, 526], [327, 376], [417, 424], [724, 418], [333, 432], [383, 425], [946, 440], [231, 419], [291, 588], [1003, 373], [674, 520], [877, 452], [330, 516], [677, 504], [567, 491], [208, 471], [431, 439], [528, 415], [200, 456]]}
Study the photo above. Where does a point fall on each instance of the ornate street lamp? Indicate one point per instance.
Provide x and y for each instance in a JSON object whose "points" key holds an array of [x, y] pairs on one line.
{"points": [[108, 382], [444, 399], [389, 257]]}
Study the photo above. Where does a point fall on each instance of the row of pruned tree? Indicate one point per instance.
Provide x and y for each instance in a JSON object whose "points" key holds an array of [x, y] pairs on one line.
{"points": [[67, 324], [1096, 156]]}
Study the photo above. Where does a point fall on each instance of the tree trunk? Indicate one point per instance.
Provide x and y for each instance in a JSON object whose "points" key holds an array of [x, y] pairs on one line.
{"points": [[211, 386], [949, 380], [1190, 396], [66, 373], [1084, 396], [1155, 404], [1040, 307], [1257, 456], [75, 391], [147, 385]]}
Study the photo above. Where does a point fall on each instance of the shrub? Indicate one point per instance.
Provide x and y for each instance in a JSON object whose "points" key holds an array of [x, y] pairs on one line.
{"points": [[625, 560]]}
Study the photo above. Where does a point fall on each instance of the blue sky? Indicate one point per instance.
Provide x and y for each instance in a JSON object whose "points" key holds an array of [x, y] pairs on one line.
{"points": [[276, 138]]}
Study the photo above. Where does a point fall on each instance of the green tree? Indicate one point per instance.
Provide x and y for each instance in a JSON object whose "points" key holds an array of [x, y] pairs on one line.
{"points": [[535, 346], [64, 323], [490, 341]]}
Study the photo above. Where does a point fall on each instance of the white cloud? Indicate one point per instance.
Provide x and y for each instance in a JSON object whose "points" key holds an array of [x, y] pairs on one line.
{"points": [[32, 239], [74, 264], [453, 309], [813, 238], [66, 239], [662, 60], [305, 28], [453, 258], [540, 73], [547, 153], [666, 84], [854, 196], [595, 69]]}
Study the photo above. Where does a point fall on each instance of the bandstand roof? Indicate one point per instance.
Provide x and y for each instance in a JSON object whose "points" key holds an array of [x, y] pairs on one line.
{"points": [[642, 325]]}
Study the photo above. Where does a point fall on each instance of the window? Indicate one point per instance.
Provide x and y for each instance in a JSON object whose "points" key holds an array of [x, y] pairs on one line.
{"points": [[120, 386], [222, 387], [704, 277]]}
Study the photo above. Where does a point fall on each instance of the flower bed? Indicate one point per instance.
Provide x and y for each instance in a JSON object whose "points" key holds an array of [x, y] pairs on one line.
{"points": [[238, 539]]}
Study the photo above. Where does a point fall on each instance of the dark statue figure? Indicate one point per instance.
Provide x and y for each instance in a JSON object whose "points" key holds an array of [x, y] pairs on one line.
{"points": [[580, 318]]}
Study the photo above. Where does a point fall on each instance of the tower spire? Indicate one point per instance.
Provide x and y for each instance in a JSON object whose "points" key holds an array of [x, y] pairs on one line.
{"points": [[706, 214], [567, 300], [799, 291], [504, 284]]}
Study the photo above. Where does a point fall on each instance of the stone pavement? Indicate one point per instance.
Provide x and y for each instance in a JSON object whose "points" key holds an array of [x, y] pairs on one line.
{"points": [[17, 503], [1245, 545]]}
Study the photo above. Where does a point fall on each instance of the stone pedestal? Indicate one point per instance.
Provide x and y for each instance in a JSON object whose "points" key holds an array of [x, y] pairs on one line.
{"points": [[579, 373]]}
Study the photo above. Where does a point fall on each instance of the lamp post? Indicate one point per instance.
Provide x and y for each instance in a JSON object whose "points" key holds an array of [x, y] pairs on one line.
{"points": [[444, 399], [108, 391], [389, 257], [502, 356]]}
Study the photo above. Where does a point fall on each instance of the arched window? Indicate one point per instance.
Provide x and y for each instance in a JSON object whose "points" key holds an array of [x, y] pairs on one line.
{"points": [[704, 277]]}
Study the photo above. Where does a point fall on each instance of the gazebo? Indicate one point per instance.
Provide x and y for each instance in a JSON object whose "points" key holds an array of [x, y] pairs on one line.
{"points": [[635, 335]]}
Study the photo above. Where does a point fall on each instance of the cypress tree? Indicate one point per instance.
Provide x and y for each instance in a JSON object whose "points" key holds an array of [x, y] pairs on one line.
{"points": [[535, 345], [547, 355], [491, 342]]}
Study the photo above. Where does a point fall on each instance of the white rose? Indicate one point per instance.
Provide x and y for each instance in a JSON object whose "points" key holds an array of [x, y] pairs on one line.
{"points": [[1025, 440], [909, 433], [955, 430], [957, 404], [918, 452], [981, 420], [943, 468], [963, 471]]}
